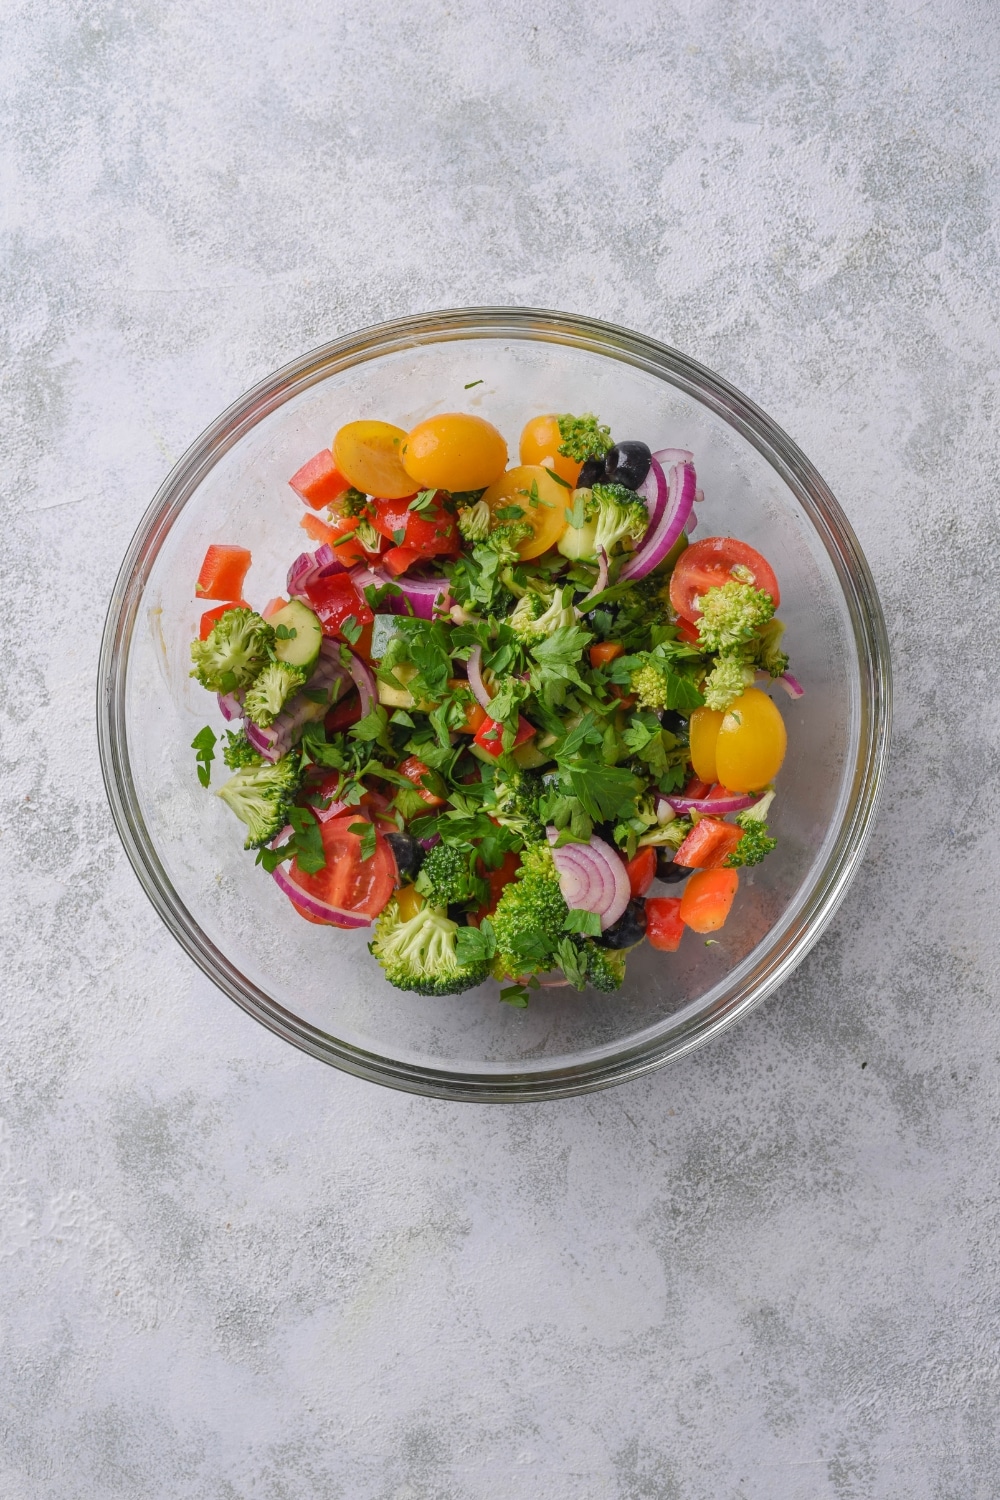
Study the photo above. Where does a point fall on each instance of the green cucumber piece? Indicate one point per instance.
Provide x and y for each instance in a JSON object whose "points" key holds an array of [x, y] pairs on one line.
{"points": [[300, 648]]}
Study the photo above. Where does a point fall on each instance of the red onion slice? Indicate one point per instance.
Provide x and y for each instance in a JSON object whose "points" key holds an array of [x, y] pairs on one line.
{"points": [[313, 905], [592, 877], [307, 567], [600, 583], [230, 705], [791, 685], [475, 670], [653, 490], [719, 806], [364, 679], [660, 538], [424, 598], [670, 456]]}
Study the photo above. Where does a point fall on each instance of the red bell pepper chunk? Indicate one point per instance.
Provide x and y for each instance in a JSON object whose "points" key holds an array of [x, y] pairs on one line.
{"points": [[687, 631], [210, 616], [339, 534], [398, 559], [707, 899], [343, 714], [222, 572], [489, 735], [335, 600], [641, 871], [708, 844], [664, 927], [319, 482], [422, 777], [696, 788]]}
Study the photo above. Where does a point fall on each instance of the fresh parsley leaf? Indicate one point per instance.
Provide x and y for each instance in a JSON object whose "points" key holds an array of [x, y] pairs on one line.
{"points": [[510, 513], [350, 629], [307, 840], [285, 632], [516, 995], [586, 922], [204, 743], [366, 833], [558, 478], [573, 963], [470, 383], [475, 944], [423, 500], [399, 535]]}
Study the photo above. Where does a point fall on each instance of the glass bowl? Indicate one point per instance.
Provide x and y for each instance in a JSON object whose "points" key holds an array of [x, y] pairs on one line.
{"points": [[318, 987]]}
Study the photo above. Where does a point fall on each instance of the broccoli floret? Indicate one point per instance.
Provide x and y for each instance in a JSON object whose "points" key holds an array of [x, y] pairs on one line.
{"points": [[239, 751], [474, 521], [260, 796], [755, 843], [651, 685], [605, 967], [447, 878], [727, 681], [731, 614], [419, 953], [513, 801], [504, 540], [236, 648], [579, 541], [271, 691], [669, 835], [529, 916], [351, 503], [536, 616], [583, 437], [766, 646], [621, 514]]}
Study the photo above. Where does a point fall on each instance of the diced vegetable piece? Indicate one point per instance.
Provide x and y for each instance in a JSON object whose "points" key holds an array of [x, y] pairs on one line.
{"points": [[222, 572], [398, 559], [604, 652], [708, 844], [424, 779], [695, 787], [707, 899], [641, 871], [489, 735], [664, 926], [319, 482], [210, 616], [475, 718], [340, 534], [343, 714], [335, 600], [430, 531], [272, 606], [298, 635]]}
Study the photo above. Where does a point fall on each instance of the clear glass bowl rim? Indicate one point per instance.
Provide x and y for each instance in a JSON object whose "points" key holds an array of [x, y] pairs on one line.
{"points": [[813, 494]]}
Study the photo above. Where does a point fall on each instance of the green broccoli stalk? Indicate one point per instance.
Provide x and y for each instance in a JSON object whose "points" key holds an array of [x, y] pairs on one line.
{"points": [[766, 646], [237, 647], [271, 691], [727, 681], [239, 751], [513, 801], [261, 796], [474, 521], [731, 614], [579, 541], [755, 843], [605, 967], [418, 954], [535, 616], [367, 535], [583, 437], [621, 515], [529, 916], [447, 877]]}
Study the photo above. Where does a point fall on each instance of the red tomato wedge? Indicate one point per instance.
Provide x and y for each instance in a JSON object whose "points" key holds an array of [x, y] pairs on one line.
{"points": [[709, 564], [319, 482], [641, 871], [210, 616], [347, 881], [222, 572], [708, 845], [664, 927], [431, 532]]}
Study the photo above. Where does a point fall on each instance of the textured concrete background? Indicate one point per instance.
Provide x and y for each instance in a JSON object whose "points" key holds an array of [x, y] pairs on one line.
{"points": [[768, 1272]]}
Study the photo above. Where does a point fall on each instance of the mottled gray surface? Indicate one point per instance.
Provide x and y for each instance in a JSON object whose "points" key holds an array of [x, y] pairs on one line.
{"points": [[768, 1271]]}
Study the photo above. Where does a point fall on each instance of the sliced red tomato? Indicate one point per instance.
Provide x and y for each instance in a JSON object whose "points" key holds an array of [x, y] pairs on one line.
{"points": [[641, 871], [604, 652], [664, 927], [319, 482], [708, 844], [489, 735], [707, 899], [222, 572], [336, 600], [431, 532], [210, 616], [709, 564], [423, 778], [348, 881]]}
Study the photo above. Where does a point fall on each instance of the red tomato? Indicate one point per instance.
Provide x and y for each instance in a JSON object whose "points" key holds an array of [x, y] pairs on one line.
{"points": [[416, 771], [709, 564], [432, 532], [707, 899], [210, 616], [222, 572], [347, 881], [489, 735], [319, 482], [496, 880], [334, 600], [641, 871], [664, 928], [708, 845]]}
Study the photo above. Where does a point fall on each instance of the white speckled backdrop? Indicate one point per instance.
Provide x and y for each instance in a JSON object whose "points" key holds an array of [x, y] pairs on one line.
{"points": [[767, 1272]]}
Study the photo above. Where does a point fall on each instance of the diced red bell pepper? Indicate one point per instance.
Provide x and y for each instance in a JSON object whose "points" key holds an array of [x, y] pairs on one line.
{"points": [[432, 532], [334, 600], [707, 899], [422, 777], [664, 927], [708, 844], [363, 645], [696, 788], [641, 871], [319, 482], [398, 559], [496, 880], [338, 534], [687, 631], [489, 735], [343, 714], [604, 652], [222, 572], [475, 718], [210, 616], [272, 606]]}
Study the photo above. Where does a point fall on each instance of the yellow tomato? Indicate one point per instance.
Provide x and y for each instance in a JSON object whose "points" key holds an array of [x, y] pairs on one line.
{"points": [[751, 743], [409, 901], [704, 730], [454, 451], [542, 501], [540, 445], [367, 453]]}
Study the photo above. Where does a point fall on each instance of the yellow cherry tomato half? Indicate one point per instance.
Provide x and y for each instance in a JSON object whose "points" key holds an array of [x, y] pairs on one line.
{"points": [[541, 500], [454, 451], [751, 743], [368, 454], [540, 445], [704, 728]]}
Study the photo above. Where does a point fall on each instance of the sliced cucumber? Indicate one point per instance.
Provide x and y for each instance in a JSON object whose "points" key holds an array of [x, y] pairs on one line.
{"points": [[299, 643]]}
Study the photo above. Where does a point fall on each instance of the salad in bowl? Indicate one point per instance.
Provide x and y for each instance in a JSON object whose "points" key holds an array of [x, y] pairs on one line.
{"points": [[508, 718]]}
